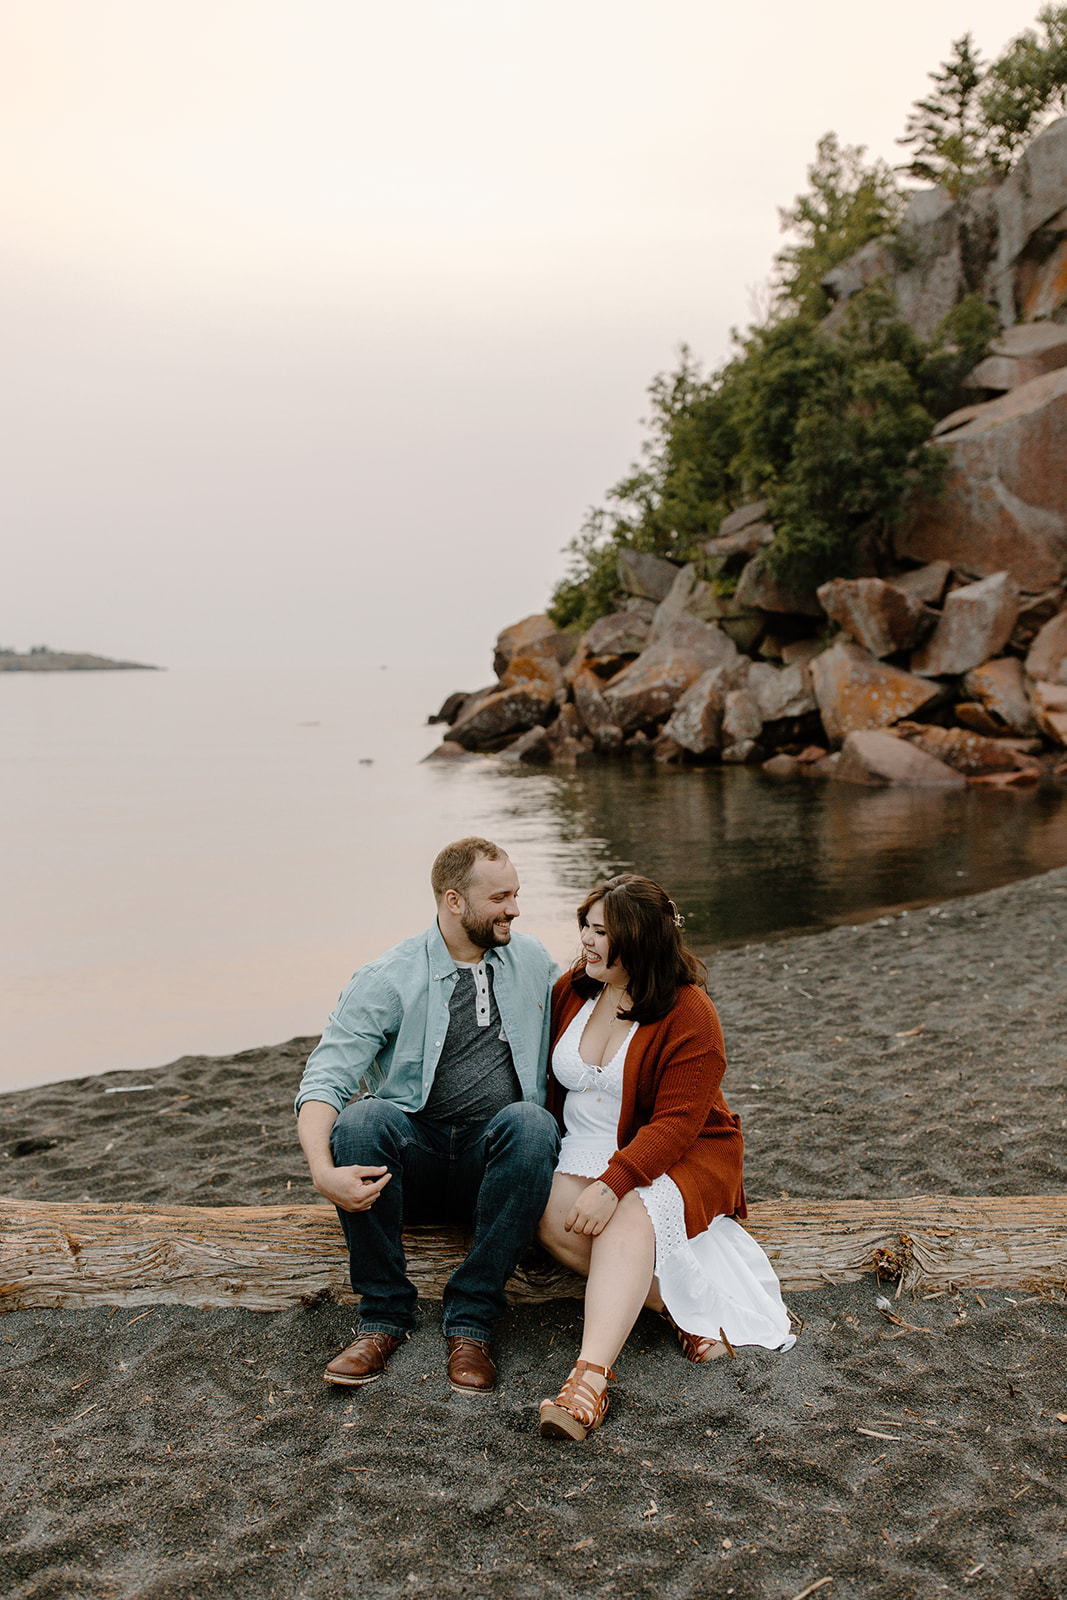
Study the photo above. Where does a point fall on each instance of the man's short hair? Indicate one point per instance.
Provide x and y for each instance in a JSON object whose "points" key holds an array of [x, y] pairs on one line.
{"points": [[456, 863]]}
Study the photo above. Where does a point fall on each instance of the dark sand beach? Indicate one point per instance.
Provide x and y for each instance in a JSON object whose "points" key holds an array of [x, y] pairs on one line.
{"points": [[175, 1452]]}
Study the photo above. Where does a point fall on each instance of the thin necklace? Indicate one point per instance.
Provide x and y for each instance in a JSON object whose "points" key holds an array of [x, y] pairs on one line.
{"points": [[611, 988]]}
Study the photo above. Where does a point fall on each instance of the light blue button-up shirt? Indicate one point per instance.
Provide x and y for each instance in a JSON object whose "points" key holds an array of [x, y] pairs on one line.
{"points": [[387, 1030]]}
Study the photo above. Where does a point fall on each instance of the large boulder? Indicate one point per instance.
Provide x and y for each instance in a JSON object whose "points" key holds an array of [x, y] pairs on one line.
{"points": [[759, 590], [1028, 350], [781, 692], [649, 577], [879, 616], [1003, 505], [855, 691], [1050, 709], [967, 752], [874, 757], [1028, 278], [696, 721], [595, 713], [496, 718], [924, 583], [976, 623], [610, 644], [741, 535], [1000, 688], [645, 692], [1047, 656], [533, 636]]}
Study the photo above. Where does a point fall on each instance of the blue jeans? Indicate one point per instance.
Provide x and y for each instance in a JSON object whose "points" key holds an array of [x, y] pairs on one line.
{"points": [[494, 1176]]}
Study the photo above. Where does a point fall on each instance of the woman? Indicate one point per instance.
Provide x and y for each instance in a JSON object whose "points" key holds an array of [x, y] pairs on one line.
{"points": [[637, 1062]]}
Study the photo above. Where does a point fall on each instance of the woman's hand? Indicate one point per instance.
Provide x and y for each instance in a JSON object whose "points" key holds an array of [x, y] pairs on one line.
{"points": [[593, 1210]]}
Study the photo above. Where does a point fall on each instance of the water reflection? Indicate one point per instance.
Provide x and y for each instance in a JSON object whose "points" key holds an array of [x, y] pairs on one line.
{"points": [[748, 856]]}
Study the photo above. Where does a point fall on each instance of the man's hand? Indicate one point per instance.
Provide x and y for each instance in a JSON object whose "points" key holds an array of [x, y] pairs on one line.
{"points": [[352, 1188], [593, 1210]]}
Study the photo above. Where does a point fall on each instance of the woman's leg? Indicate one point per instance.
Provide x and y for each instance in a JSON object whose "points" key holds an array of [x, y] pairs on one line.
{"points": [[572, 1249], [621, 1263]]}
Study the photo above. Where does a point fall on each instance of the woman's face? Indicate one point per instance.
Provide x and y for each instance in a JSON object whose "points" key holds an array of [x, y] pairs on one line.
{"points": [[595, 943]]}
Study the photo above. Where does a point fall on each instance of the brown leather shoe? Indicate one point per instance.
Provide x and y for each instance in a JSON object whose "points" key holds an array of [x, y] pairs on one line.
{"points": [[363, 1361], [470, 1366]]}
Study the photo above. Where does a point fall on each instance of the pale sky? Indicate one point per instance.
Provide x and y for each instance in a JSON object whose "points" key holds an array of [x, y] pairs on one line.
{"points": [[325, 322]]}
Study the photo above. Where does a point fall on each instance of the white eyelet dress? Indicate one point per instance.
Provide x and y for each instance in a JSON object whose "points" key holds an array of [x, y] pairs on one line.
{"points": [[720, 1280]]}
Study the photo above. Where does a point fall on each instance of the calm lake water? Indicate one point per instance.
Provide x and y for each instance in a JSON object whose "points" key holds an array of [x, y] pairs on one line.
{"points": [[195, 861]]}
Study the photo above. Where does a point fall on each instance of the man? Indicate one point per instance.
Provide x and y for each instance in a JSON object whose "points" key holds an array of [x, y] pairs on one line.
{"points": [[446, 1035]]}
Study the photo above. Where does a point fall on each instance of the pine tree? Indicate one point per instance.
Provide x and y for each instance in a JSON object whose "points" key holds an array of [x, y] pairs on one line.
{"points": [[944, 128]]}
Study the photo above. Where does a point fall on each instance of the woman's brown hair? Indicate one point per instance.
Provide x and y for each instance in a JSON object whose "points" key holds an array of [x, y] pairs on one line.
{"points": [[645, 939]]}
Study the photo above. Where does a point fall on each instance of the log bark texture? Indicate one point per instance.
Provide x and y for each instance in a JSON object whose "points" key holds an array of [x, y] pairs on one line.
{"points": [[267, 1257]]}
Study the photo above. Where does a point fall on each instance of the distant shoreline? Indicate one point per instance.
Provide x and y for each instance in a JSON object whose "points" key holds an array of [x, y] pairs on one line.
{"points": [[44, 660]]}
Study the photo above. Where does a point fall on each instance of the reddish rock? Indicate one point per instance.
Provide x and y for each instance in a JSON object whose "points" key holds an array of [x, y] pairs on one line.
{"points": [[740, 536], [696, 721], [622, 635], [975, 624], [666, 751], [1004, 502], [1000, 687], [452, 707], [759, 590], [1023, 778], [546, 670], [748, 753], [595, 713], [872, 756], [743, 517], [533, 747], [1034, 611], [802, 651], [1047, 656], [649, 577], [879, 616], [533, 636], [781, 691], [969, 714], [781, 766], [969, 753], [1027, 350], [1050, 710], [854, 690], [742, 721], [1028, 208], [924, 583], [810, 754], [504, 713], [647, 691]]}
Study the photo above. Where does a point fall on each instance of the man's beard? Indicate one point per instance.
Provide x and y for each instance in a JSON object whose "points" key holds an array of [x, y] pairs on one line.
{"points": [[485, 935]]}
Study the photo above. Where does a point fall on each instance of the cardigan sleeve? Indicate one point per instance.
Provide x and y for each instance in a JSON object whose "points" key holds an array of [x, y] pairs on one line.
{"points": [[676, 1096]]}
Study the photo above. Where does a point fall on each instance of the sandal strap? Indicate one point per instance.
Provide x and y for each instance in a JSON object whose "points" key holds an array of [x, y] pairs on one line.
{"points": [[580, 1398]]}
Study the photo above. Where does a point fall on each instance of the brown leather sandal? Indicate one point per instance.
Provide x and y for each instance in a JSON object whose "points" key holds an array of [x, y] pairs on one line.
{"points": [[577, 1409], [698, 1347]]}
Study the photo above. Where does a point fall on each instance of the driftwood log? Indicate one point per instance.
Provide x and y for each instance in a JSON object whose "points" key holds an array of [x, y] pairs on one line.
{"points": [[267, 1257]]}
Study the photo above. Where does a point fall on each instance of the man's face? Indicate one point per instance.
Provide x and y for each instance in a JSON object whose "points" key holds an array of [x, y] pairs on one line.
{"points": [[491, 904]]}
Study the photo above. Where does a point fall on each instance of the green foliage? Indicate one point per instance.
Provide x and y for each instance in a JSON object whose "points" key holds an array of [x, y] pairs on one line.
{"points": [[856, 449], [961, 340], [1026, 84], [945, 128], [847, 205]]}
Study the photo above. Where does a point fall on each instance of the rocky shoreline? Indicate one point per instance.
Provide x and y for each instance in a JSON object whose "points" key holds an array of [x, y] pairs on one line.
{"points": [[944, 661]]}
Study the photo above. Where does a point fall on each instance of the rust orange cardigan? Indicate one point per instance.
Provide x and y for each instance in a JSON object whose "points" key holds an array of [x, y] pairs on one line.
{"points": [[674, 1118]]}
